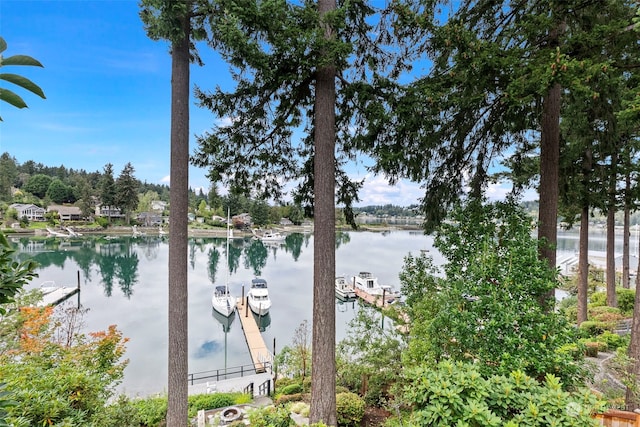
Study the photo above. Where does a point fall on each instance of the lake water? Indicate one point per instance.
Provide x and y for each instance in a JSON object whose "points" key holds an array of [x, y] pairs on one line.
{"points": [[124, 282]]}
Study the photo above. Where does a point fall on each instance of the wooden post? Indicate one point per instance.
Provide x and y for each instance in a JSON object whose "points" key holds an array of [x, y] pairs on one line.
{"points": [[246, 308], [242, 293]]}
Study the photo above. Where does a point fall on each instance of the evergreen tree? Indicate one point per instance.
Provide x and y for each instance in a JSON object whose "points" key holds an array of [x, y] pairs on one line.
{"points": [[127, 191], [108, 188], [8, 175], [181, 23]]}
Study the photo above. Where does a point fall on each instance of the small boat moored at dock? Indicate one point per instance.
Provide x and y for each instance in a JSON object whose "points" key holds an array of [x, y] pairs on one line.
{"points": [[258, 297], [368, 284], [344, 288], [222, 300]]}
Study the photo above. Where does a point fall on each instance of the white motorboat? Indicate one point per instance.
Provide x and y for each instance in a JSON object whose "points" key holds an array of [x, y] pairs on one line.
{"points": [[367, 282], [222, 300], [258, 297], [344, 288], [272, 236]]}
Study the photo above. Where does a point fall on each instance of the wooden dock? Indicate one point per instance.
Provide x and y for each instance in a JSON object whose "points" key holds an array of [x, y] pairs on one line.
{"points": [[376, 301], [57, 296], [261, 356]]}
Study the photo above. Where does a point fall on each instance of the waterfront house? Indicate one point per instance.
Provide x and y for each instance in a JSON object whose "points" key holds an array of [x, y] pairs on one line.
{"points": [[29, 211], [66, 213]]}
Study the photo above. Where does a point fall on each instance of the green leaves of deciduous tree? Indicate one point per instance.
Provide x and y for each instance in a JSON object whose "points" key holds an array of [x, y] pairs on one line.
{"points": [[7, 95]]}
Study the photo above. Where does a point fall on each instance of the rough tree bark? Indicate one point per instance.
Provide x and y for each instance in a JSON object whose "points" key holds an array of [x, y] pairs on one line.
{"points": [[583, 265], [549, 173], [177, 405], [323, 371]]}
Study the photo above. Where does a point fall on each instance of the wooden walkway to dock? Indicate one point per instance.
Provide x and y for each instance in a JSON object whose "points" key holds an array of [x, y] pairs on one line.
{"points": [[377, 301], [261, 356]]}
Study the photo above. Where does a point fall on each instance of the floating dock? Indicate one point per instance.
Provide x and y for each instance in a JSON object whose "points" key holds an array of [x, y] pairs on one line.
{"points": [[55, 297], [374, 300], [261, 356]]}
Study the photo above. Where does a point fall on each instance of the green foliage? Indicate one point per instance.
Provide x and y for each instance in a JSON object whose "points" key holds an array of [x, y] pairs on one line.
{"points": [[614, 341], [212, 401], [625, 298], [38, 185], [151, 411], [291, 389], [9, 96], [102, 221], [491, 305], [592, 328], [350, 409], [456, 394], [60, 381], [270, 416], [59, 192], [369, 358], [5, 403], [13, 275]]}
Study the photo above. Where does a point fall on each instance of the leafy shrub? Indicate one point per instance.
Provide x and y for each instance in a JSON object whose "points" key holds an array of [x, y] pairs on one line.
{"points": [[350, 409], [211, 401], [152, 410], [298, 407], [342, 389], [456, 394], [270, 416], [286, 398], [285, 381], [626, 298], [605, 314], [574, 350], [613, 341], [102, 221], [592, 328], [122, 413], [291, 389], [591, 348]]}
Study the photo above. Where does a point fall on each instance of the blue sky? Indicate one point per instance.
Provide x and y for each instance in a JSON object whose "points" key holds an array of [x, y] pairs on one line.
{"points": [[108, 94]]}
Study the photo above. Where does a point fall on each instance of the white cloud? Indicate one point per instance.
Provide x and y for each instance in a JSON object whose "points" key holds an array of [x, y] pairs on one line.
{"points": [[377, 191], [166, 179]]}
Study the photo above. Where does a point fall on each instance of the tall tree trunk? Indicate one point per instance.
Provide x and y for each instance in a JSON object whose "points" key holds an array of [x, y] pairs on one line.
{"points": [[612, 301], [632, 402], [177, 405], [323, 356], [549, 175], [626, 230], [583, 265]]}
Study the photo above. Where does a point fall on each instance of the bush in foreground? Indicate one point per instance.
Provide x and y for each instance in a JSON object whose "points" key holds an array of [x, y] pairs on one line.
{"points": [[457, 394]]}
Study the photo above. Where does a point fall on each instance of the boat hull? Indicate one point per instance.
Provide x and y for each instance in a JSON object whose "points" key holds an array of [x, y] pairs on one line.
{"points": [[224, 305]]}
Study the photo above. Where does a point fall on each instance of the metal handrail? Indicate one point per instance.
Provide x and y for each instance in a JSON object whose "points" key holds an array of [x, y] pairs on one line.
{"points": [[225, 373]]}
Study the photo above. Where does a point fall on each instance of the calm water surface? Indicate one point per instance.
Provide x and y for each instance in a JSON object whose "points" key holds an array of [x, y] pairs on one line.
{"points": [[124, 282]]}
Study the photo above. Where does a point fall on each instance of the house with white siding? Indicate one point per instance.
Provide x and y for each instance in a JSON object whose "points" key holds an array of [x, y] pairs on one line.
{"points": [[29, 211]]}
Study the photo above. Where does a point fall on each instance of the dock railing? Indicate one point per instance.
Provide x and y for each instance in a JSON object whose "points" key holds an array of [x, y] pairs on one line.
{"points": [[227, 373]]}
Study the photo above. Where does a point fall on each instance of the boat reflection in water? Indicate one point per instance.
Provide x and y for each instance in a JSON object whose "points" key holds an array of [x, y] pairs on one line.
{"points": [[226, 322], [263, 321]]}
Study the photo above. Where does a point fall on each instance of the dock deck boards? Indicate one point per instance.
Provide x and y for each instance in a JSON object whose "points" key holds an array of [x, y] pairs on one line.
{"points": [[257, 348], [370, 299], [57, 296]]}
